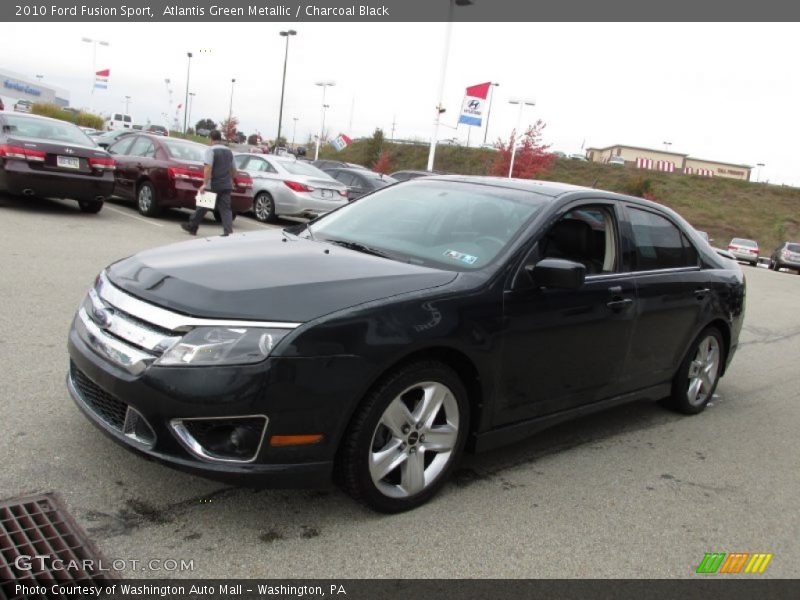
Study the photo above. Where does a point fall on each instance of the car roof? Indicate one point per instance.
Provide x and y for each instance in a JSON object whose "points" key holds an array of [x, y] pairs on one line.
{"points": [[38, 118]]}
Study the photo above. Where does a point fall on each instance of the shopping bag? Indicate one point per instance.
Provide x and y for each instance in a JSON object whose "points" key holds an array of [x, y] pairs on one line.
{"points": [[206, 200]]}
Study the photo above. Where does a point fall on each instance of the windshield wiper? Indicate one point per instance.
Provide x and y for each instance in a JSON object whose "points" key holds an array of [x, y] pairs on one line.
{"points": [[359, 247]]}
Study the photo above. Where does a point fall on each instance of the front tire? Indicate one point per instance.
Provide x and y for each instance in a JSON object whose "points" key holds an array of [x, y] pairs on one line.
{"points": [[698, 376], [264, 208], [90, 206], [147, 200], [406, 438]]}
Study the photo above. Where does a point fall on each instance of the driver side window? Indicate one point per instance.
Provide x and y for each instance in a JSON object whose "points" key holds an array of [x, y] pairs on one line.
{"points": [[586, 235]]}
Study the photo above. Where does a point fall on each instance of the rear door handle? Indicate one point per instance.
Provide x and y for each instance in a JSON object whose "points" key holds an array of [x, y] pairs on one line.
{"points": [[620, 303]]}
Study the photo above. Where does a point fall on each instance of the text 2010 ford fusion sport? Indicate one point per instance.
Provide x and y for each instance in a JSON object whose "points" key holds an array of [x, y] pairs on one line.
{"points": [[376, 344]]}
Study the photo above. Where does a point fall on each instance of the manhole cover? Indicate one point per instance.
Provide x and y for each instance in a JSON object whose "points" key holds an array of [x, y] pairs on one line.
{"points": [[41, 544]]}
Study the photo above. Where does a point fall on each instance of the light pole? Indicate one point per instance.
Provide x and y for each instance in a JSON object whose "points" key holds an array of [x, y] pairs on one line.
{"points": [[186, 99], [294, 129], [39, 78], [230, 106], [667, 145], [489, 112], [324, 85], [191, 102], [758, 173], [287, 34], [522, 104], [445, 54], [127, 104]]}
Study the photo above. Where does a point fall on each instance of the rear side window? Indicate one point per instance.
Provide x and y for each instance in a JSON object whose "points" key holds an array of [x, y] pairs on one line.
{"points": [[659, 243]]}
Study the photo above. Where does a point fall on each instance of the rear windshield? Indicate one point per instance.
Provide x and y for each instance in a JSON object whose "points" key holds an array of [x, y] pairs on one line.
{"points": [[54, 131], [185, 150], [793, 247], [743, 242], [303, 168]]}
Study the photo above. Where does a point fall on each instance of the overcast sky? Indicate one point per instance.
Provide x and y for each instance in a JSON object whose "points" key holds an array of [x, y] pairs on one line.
{"points": [[727, 92]]}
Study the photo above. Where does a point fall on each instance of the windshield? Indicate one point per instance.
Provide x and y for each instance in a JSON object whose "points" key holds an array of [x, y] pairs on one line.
{"points": [[452, 225], [57, 131], [793, 247], [302, 168], [742, 242], [185, 150]]}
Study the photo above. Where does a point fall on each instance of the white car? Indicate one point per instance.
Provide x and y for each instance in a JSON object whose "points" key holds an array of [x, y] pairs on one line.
{"points": [[616, 160], [744, 249], [578, 156], [285, 186], [23, 106]]}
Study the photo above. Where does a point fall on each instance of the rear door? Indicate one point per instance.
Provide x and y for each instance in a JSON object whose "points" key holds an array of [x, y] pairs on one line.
{"points": [[122, 174], [673, 294]]}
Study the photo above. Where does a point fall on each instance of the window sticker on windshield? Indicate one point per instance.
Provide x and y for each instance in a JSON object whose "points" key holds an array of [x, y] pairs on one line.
{"points": [[465, 258]]}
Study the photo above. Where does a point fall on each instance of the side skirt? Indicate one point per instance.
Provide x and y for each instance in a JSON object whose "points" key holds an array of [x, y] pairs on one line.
{"points": [[509, 434]]}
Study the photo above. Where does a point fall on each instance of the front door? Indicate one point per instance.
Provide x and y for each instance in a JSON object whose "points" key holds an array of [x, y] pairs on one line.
{"points": [[566, 348]]}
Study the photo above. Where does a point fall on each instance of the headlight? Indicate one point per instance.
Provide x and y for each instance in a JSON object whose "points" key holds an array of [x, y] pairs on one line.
{"points": [[222, 346]]}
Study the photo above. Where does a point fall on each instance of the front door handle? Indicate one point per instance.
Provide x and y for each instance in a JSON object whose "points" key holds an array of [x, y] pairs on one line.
{"points": [[619, 304], [701, 293]]}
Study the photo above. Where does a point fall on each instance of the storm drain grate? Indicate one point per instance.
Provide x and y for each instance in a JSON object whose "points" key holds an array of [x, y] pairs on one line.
{"points": [[40, 526]]}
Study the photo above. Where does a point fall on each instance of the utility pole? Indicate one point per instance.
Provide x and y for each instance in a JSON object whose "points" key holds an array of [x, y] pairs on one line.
{"points": [[394, 123]]}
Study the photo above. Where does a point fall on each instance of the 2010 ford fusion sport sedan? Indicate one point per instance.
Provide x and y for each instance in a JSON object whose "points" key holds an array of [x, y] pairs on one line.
{"points": [[376, 344]]}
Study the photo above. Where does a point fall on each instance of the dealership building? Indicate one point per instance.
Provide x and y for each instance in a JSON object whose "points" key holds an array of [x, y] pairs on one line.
{"points": [[15, 87], [663, 160]]}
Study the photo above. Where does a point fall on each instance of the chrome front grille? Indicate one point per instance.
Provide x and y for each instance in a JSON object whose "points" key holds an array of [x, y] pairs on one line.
{"points": [[132, 333]]}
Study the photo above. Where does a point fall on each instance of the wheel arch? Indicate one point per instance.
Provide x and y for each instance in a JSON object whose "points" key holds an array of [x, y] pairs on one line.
{"points": [[725, 329], [455, 359]]}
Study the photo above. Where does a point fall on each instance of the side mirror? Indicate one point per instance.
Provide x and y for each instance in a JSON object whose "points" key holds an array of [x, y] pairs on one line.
{"points": [[557, 273]]}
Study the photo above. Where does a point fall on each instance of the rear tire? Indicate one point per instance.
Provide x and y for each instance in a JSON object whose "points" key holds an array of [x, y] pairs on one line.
{"points": [[90, 206], [406, 438], [264, 208], [697, 378], [147, 200]]}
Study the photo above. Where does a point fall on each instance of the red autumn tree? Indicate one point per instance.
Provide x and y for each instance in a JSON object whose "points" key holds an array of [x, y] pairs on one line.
{"points": [[384, 163], [228, 128], [532, 155]]}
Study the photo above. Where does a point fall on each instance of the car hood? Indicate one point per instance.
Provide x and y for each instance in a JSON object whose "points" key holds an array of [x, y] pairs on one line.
{"points": [[266, 276]]}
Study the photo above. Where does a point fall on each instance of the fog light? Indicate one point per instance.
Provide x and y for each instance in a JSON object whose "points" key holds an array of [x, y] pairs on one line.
{"points": [[222, 439]]}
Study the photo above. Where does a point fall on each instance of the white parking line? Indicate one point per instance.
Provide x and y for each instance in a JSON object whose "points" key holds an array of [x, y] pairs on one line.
{"points": [[122, 212]]}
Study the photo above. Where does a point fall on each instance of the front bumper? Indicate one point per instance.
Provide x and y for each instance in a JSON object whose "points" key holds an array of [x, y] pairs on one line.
{"points": [[16, 176], [298, 395]]}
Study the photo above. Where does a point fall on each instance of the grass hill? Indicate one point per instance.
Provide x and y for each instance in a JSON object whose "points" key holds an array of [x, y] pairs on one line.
{"points": [[725, 208]]}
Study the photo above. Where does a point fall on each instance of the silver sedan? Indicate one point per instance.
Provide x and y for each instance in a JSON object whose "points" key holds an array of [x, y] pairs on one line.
{"points": [[286, 187]]}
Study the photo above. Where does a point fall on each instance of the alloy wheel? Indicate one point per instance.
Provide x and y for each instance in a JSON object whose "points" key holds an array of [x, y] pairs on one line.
{"points": [[703, 371], [145, 198], [414, 440], [263, 207]]}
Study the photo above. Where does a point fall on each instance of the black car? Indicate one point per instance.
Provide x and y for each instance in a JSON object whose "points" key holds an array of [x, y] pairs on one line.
{"points": [[105, 138], [335, 164], [360, 181], [406, 175], [49, 158], [429, 317]]}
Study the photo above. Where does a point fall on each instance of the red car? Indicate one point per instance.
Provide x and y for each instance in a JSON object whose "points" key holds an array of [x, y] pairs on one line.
{"points": [[161, 172]]}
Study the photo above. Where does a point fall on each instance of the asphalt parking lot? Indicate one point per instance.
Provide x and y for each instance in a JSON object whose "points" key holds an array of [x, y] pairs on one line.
{"points": [[634, 492]]}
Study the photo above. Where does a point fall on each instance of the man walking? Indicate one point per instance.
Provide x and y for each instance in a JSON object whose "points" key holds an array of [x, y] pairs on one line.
{"points": [[218, 175]]}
